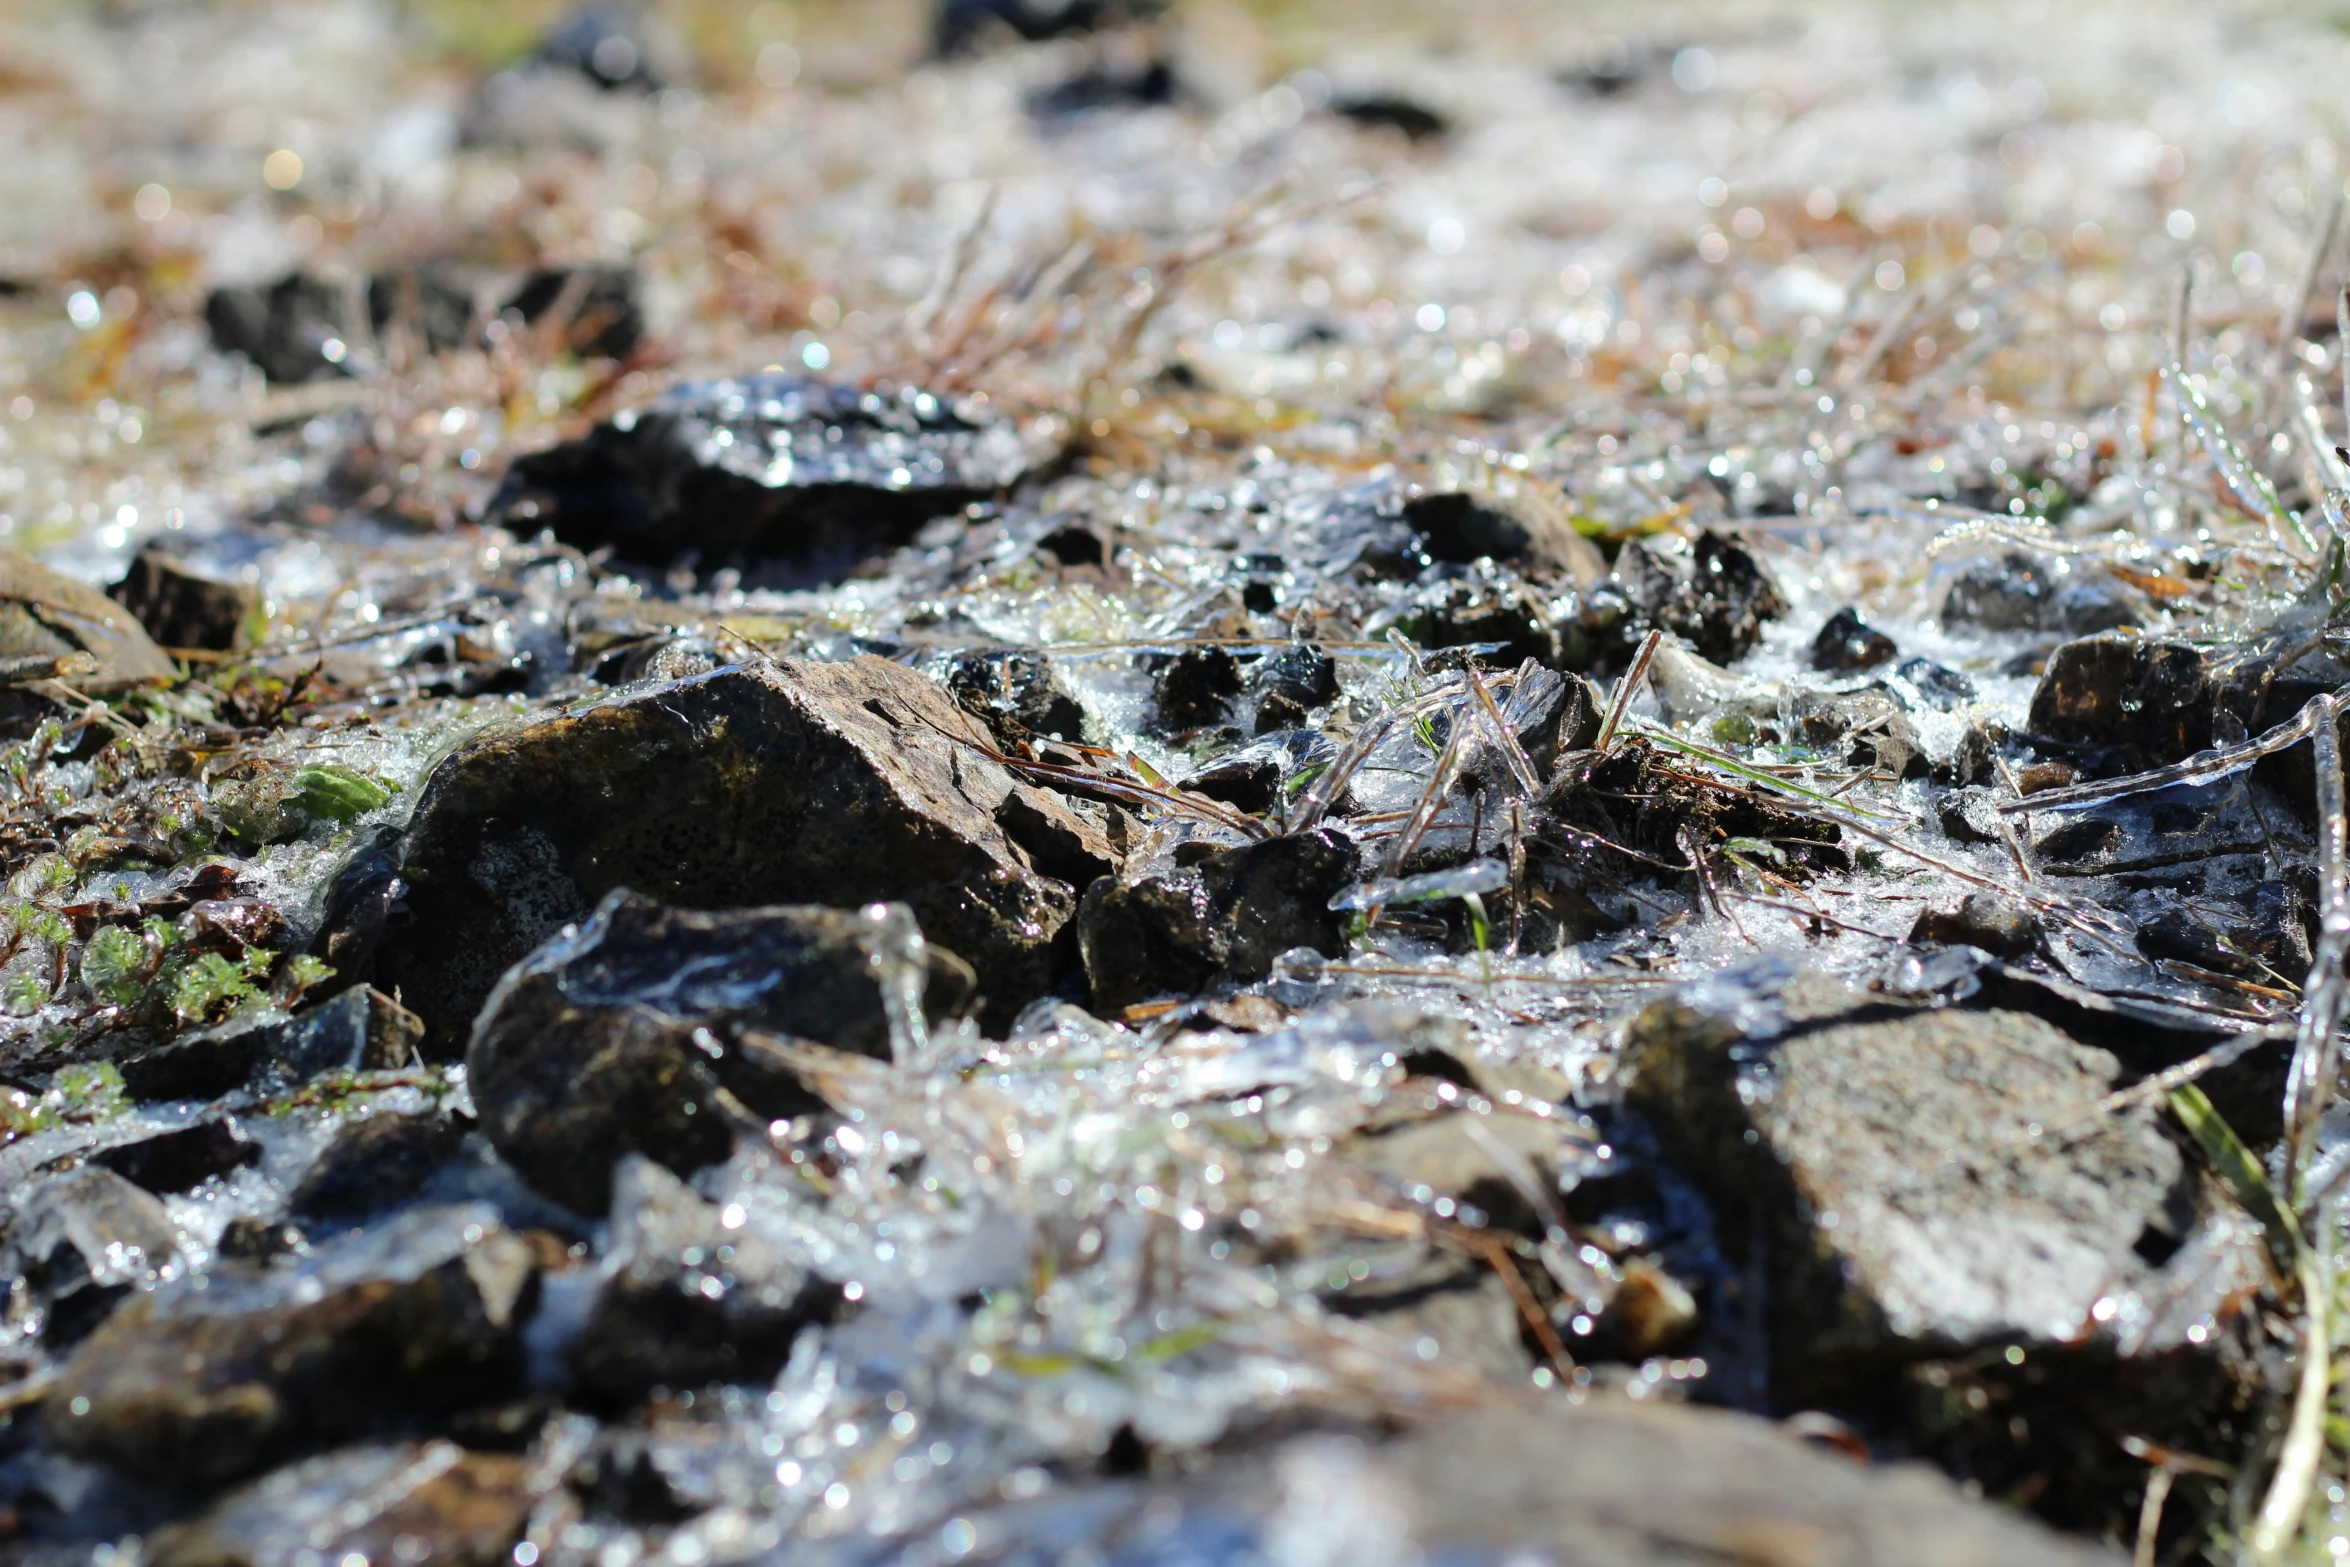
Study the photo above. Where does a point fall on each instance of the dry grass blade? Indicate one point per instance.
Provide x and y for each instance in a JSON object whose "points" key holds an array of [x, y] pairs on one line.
{"points": [[1196, 806], [1626, 689], [2317, 1050]]}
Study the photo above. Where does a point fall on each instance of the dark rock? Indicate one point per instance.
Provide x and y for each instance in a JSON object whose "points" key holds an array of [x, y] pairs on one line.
{"points": [[1149, 85], [1974, 760], [1458, 526], [377, 1163], [1484, 605], [367, 896], [1885, 1168], [1301, 672], [257, 1240], [81, 1242], [1391, 111], [600, 313], [2082, 839], [433, 308], [688, 1299], [52, 624], [1985, 921], [964, 24], [1848, 643], [1016, 694], [783, 782], [1969, 815], [2020, 592], [1717, 600], [182, 608], [1249, 781], [1861, 728], [1938, 688], [356, 1031], [296, 329], [176, 1161], [410, 1503], [612, 44], [620, 1036], [210, 1379], [1195, 687], [2123, 704], [773, 468], [1074, 545], [2278, 930], [1278, 712], [1226, 917]]}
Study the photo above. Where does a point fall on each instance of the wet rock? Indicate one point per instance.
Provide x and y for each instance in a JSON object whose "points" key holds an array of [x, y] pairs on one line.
{"points": [[257, 1240], [612, 44], [1301, 674], [366, 896], [1861, 728], [1973, 761], [358, 1030], [430, 306], [1391, 111], [206, 1380], [2122, 704], [180, 607], [2277, 932], [1196, 687], [77, 1245], [1442, 1309], [772, 468], [1497, 1168], [1225, 918], [1717, 599], [1484, 605], [1149, 84], [598, 309], [1848, 643], [2020, 592], [1248, 780], [1458, 526], [1985, 921], [51, 624], [628, 1034], [1885, 1168], [1016, 694], [294, 330], [430, 1502], [785, 782], [1924, 682], [2080, 840], [176, 1161], [377, 1163], [688, 1298], [964, 24]]}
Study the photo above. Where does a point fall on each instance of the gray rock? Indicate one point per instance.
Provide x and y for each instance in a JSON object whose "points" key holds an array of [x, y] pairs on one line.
{"points": [[784, 782], [633, 1032], [52, 624], [1985, 921], [2020, 592], [207, 1379], [402, 1502], [360, 1030], [688, 1298], [174, 1161], [377, 1162], [78, 1244]]}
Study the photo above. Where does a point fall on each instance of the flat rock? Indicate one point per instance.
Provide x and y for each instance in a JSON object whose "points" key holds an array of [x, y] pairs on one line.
{"points": [[377, 1162], [2023, 592], [208, 1379], [52, 624], [690, 1296], [181, 607], [769, 468], [359, 1030], [80, 1243], [627, 1034], [177, 1160], [785, 782], [1225, 918], [401, 1502]]}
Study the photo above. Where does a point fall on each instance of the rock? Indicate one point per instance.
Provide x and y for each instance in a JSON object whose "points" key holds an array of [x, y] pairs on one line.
{"points": [[366, 895], [773, 468], [1931, 685], [1248, 780], [1847, 643], [781, 782], [176, 1161], [377, 1163], [2081, 839], [358, 1030], [1391, 111], [1884, 1170], [964, 24], [294, 330], [1480, 603], [1985, 921], [1864, 728], [1458, 526], [601, 316], [1225, 918], [1195, 688], [1301, 674], [2020, 592], [620, 1037], [1717, 600], [1442, 1309], [1496, 1168], [688, 1298], [1146, 84], [430, 1502], [206, 1380], [51, 624], [1016, 694], [613, 44], [2121, 704], [432, 308], [81, 1242], [182, 608], [257, 1240]]}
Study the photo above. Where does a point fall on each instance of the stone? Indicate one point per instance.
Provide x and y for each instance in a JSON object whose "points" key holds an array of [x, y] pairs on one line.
{"points": [[1016, 693], [1301, 673], [687, 1297], [359, 1030], [406, 1502], [1985, 921], [294, 330], [177, 1161], [80, 1242], [775, 468], [1969, 815], [1848, 643], [601, 314], [1195, 688], [1481, 604], [181, 607], [205, 1380], [630, 1033], [1717, 600], [1457, 1308], [1483, 1162], [2078, 840], [2122, 704], [1249, 780], [1921, 681], [782, 782], [376, 1163], [962, 25], [428, 305], [2022, 592], [1391, 111], [1457, 526], [51, 624], [613, 44], [1225, 918]]}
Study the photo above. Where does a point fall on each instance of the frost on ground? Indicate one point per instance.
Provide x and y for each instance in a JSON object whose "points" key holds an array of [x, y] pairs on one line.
{"points": [[1081, 782]]}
